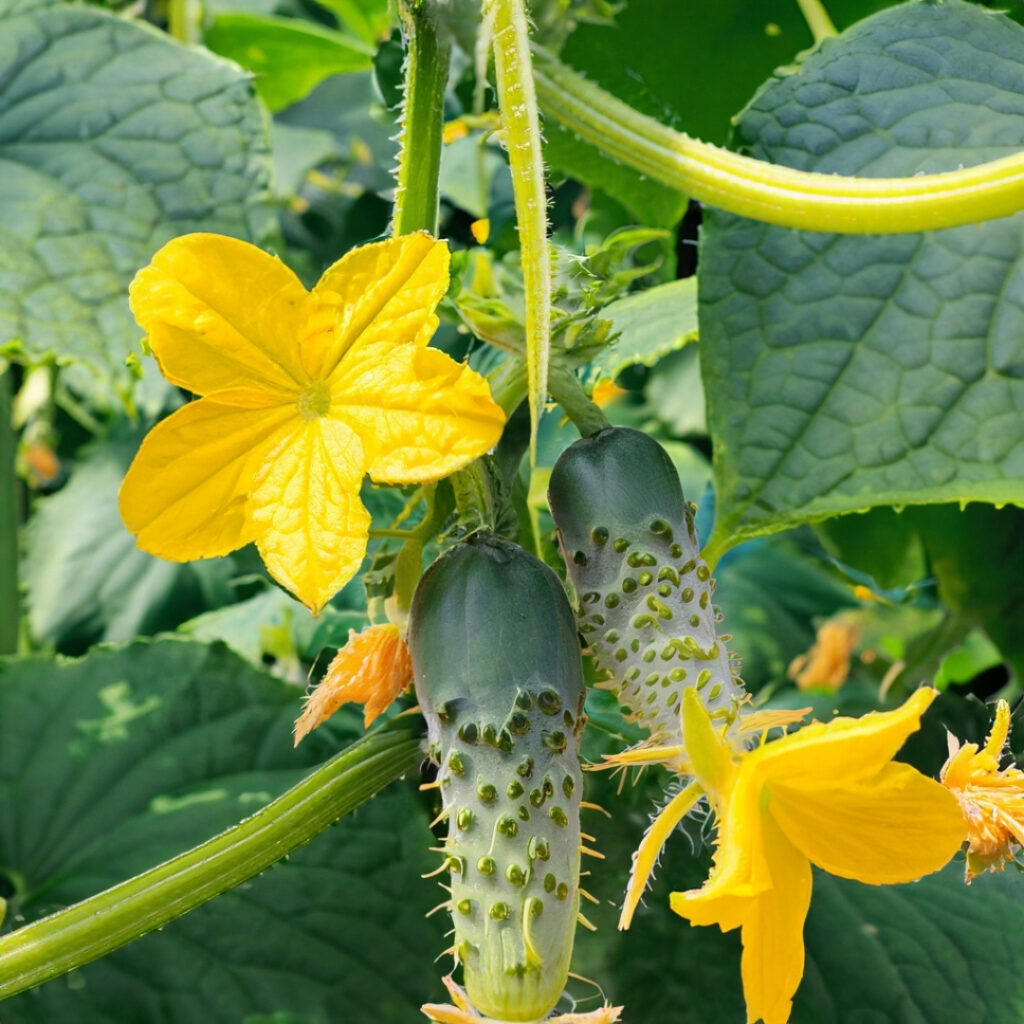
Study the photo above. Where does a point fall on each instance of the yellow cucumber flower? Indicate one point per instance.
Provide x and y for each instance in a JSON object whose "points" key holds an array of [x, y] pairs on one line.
{"points": [[828, 794], [992, 800], [303, 394]]}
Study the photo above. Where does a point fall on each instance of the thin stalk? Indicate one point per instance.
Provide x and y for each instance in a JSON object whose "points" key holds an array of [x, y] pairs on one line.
{"points": [[506, 24], [105, 922], [428, 52], [767, 192], [584, 412], [817, 19], [9, 597]]}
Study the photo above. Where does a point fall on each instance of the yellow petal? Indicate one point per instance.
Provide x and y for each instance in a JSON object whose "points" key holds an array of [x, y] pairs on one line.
{"points": [[773, 933], [185, 493], [220, 313], [309, 524], [711, 756], [386, 291], [895, 827], [420, 414], [772, 921], [826, 755]]}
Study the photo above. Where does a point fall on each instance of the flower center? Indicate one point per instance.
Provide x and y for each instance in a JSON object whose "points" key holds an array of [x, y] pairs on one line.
{"points": [[314, 400]]}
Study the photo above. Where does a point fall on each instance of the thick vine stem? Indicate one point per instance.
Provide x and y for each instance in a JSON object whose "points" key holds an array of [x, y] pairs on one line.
{"points": [[9, 597], [428, 51], [506, 24], [767, 192], [100, 924]]}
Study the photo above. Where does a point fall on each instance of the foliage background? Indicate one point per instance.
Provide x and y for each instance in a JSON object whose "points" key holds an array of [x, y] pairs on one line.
{"points": [[116, 753]]}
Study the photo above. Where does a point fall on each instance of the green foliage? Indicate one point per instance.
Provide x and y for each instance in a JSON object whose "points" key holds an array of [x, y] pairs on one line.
{"points": [[288, 58], [111, 764], [846, 372], [92, 186]]}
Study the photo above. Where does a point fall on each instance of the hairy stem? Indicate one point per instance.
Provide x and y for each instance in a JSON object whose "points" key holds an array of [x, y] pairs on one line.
{"points": [[98, 925], [817, 19], [428, 51], [767, 192], [568, 392], [9, 598], [505, 21]]}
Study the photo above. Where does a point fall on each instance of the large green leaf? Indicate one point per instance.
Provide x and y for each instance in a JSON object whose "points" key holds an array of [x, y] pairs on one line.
{"points": [[113, 139], [845, 372], [111, 764]]}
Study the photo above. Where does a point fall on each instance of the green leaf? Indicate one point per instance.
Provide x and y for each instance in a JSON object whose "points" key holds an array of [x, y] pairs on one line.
{"points": [[881, 543], [845, 372], [113, 139], [368, 19], [772, 597], [977, 556], [934, 950], [84, 576], [650, 324], [111, 764], [289, 57]]}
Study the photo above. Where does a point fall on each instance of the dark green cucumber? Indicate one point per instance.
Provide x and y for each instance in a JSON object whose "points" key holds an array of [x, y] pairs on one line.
{"points": [[498, 676], [643, 591]]}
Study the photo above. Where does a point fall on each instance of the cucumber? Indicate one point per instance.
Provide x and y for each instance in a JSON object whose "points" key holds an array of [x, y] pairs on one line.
{"points": [[643, 591], [498, 676]]}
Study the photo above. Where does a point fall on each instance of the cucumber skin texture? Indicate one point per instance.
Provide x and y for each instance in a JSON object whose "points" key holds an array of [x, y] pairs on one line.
{"points": [[644, 593], [499, 679]]}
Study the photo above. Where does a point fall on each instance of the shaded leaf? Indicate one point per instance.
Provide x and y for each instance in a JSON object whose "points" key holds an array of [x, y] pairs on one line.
{"points": [[114, 138], [845, 372], [288, 56], [110, 764]]}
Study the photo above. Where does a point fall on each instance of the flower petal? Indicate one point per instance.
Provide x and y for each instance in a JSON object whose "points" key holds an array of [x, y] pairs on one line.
{"points": [[184, 495], [827, 755], [710, 755], [386, 291], [309, 524], [772, 920], [220, 313], [773, 933], [419, 414], [372, 669], [893, 828]]}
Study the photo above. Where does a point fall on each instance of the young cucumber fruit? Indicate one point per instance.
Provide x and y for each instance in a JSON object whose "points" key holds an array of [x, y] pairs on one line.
{"points": [[498, 676], [644, 593]]}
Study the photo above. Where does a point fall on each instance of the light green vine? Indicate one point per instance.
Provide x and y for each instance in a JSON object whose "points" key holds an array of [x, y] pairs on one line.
{"points": [[767, 192], [505, 22], [88, 930], [428, 51]]}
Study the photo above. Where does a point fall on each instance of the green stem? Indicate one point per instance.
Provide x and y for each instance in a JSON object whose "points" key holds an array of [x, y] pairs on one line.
{"points": [[568, 392], [505, 21], [9, 597], [105, 922], [766, 192], [427, 56], [817, 19]]}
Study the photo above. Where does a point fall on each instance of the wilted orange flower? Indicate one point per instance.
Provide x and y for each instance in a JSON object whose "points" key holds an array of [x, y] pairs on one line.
{"points": [[827, 663], [992, 801], [372, 669]]}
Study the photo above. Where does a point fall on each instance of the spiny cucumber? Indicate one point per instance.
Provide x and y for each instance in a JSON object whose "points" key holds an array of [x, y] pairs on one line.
{"points": [[498, 675], [643, 591]]}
